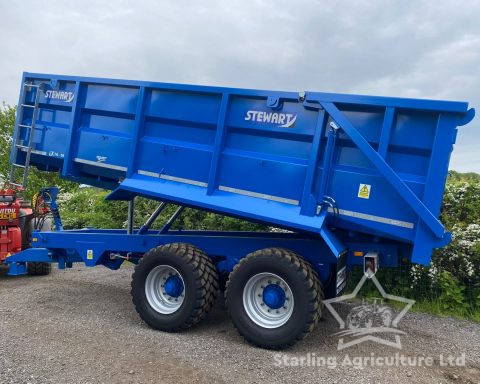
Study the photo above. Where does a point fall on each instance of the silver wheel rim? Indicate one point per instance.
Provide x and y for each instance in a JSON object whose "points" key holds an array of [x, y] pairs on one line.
{"points": [[257, 310], [157, 297]]}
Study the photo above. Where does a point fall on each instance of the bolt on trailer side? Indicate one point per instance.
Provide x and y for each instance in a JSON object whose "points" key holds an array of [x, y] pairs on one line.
{"points": [[353, 175]]}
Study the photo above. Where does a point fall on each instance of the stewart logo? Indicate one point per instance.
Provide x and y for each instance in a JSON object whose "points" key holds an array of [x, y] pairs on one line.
{"points": [[283, 120], [60, 95]]}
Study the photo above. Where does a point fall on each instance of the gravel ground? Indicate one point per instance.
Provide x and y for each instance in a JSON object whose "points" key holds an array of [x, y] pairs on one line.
{"points": [[79, 326]]}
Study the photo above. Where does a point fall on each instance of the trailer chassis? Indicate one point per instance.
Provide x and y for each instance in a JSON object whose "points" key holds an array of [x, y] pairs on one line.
{"points": [[111, 247]]}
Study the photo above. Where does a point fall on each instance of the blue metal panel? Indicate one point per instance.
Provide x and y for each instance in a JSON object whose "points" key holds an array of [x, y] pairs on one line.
{"points": [[260, 155], [434, 186]]}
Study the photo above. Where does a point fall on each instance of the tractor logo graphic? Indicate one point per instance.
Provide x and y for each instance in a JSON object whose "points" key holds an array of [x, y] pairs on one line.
{"points": [[368, 315], [370, 321]]}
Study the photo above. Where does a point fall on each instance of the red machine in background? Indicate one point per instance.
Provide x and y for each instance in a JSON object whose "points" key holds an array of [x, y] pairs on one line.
{"points": [[17, 220]]}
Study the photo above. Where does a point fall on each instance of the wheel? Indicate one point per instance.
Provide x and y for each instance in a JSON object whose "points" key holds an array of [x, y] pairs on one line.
{"points": [[174, 286], [29, 226], [274, 298], [27, 229], [39, 269], [35, 269]]}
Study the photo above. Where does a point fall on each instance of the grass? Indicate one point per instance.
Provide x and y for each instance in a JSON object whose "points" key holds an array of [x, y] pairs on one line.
{"points": [[449, 300], [434, 307]]}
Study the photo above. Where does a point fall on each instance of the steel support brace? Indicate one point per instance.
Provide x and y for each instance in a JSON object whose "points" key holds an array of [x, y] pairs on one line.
{"points": [[137, 130], [328, 160], [219, 140], [130, 218], [309, 201], [145, 227], [72, 133], [387, 126], [172, 219]]}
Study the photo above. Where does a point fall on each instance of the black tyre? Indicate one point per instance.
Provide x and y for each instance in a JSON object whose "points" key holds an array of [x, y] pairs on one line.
{"points": [[39, 269], [174, 286], [274, 298], [35, 269]]}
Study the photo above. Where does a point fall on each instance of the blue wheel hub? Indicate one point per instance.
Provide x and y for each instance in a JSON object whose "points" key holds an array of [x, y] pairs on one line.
{"points": [[173, 286], [274, 296]]}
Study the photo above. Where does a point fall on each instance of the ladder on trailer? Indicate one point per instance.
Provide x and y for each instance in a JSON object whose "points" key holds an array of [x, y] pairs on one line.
{"points": [[21, 145]]}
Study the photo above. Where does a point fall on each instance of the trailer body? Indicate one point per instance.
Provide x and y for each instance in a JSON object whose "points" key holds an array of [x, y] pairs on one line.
{"points": [[349, 174], [353, 179]]}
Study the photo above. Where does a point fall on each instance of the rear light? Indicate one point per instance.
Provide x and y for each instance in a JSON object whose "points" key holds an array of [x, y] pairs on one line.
{"points": [[370, 263]]}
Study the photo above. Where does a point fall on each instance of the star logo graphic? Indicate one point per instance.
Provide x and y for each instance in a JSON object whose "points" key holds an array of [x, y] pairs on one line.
{"points": [[360, 321]]}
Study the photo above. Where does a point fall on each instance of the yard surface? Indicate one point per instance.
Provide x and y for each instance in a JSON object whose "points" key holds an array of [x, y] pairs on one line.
{"points": [[79, 326]]}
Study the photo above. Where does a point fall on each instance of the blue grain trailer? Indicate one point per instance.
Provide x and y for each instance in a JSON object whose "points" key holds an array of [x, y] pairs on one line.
{"points": [[357, 180]]}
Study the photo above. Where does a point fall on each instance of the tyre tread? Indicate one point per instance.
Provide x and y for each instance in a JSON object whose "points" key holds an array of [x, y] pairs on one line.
{"points": [[205, 275], [305, 271], [39, 269]]}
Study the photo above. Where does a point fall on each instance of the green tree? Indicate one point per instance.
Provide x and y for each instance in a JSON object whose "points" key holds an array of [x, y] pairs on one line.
{"points": [[7, 122]]}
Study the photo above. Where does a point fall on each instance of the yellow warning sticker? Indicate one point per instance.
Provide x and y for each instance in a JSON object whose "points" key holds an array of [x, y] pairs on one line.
{"points": [[364, 191], [89, 254]]}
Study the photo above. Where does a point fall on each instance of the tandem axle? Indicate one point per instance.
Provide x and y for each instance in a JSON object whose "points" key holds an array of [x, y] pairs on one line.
{"points": [[167, 262]]}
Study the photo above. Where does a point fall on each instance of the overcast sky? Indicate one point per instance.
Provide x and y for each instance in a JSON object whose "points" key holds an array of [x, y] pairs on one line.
{"points": [[425, 49]]}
